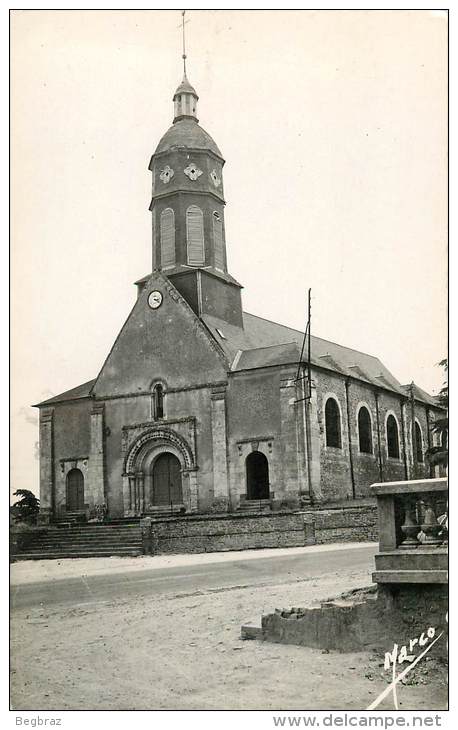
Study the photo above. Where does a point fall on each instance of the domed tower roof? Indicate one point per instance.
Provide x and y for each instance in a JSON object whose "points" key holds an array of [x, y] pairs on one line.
{"points": [[187, 134]]}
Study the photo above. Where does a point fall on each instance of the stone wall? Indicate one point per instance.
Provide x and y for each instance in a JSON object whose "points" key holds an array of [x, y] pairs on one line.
{"points": [[232, 532], [211, 533], [347, 470], [340, 525]]}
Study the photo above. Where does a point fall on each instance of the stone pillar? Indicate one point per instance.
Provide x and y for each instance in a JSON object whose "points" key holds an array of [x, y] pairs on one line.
{"points": [[47, 496], [289, 440], [407, 454], [219, 443], [301, 391], [128, 490], [314, 443], [95, 491], [140, 489], [193, 496]]}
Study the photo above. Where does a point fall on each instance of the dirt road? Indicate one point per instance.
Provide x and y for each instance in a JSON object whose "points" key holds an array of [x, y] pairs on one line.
{"points": [[181, 649]]}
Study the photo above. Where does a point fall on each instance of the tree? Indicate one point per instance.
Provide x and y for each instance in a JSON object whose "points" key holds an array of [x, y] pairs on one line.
{"points": [[438, 455], [26, 508]]}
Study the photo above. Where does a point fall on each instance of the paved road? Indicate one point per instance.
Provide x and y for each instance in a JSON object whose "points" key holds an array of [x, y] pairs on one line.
{"points": [[192, 579]]}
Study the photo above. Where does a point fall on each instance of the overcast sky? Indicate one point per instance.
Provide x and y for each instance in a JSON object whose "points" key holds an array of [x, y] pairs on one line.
{"points": [[333, 127]]}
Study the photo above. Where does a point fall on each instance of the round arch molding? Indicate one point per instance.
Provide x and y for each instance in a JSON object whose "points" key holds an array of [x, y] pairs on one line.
{"points": [[158, 437], [145, 449]]}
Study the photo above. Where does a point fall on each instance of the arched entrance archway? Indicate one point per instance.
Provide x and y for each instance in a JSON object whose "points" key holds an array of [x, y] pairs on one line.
{"points": [[150, 482], [75, 490], [257, 476], [166, 487]]}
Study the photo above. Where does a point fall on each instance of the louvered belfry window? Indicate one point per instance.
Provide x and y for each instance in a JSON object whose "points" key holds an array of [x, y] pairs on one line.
{"points": [[195, 236], [167, 238], [218, 238]]}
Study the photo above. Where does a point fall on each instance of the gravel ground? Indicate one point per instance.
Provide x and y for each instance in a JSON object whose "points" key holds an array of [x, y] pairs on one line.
{"points": [[183, 651]]}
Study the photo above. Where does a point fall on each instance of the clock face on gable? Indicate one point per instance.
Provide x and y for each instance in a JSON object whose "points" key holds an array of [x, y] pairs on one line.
{"points": [[155, 299]]}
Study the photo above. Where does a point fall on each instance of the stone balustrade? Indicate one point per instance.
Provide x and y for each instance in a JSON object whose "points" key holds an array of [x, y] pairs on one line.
{"points": [[413, 531]]}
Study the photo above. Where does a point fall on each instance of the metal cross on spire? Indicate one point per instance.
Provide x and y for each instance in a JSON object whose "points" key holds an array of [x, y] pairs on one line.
{"points": [[183, 23]]}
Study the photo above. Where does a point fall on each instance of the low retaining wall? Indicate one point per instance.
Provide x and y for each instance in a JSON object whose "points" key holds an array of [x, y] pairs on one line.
{"points": [[204, 533], [367, 619], [212, 533]]}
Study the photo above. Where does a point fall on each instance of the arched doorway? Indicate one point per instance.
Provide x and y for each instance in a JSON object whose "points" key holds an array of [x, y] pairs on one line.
{"points": [[166, 480], [257, 476], [75, 490]]}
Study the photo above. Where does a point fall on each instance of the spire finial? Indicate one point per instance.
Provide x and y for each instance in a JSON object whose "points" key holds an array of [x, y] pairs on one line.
{"points": [[183, 21]]}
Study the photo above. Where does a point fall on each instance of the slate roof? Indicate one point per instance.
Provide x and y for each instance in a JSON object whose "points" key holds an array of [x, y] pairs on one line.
{"points": [[263, 343], [182, 269], [259, 334], [187, 134], [267, 356], [421, 395], [81, 391]]}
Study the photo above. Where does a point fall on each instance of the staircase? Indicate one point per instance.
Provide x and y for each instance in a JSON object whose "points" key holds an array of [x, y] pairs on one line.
{"points": [[84, 541], [254, 505]]}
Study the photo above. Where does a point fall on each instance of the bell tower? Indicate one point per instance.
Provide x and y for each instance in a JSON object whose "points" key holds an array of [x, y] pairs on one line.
{"points": [[187, 208]]}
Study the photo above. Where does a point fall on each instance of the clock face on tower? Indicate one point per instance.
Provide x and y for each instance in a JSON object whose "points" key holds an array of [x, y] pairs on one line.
{"points": [[155, 299]]}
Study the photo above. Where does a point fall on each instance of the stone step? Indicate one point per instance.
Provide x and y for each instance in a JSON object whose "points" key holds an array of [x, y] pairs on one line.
{"points": [[134, 544], [88, 536], [53, 555], [97, 529], [59, 537]]}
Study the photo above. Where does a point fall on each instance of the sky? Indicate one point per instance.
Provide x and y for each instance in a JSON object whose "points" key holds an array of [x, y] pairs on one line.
{"points": [[333, 125]]}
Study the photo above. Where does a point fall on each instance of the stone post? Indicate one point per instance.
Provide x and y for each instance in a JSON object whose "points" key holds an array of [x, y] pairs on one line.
{"points": [[219, 443], [47, 496], [95, 492]]}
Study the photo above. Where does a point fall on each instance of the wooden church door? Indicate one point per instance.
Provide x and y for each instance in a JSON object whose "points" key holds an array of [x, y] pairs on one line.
{"points": [[75, 490], [167, 480]]}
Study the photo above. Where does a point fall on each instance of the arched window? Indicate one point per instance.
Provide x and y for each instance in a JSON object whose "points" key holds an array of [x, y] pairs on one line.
{"points": [[332, 419], [167, 238], [392, 437], [418, 444], [75, 490], [365, 430], [257, 476], [158, 401], [195, 236], [218, 239], [444, 438]]}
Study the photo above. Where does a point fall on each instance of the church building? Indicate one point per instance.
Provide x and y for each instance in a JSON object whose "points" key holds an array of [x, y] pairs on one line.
{"points": [[201, 407]]}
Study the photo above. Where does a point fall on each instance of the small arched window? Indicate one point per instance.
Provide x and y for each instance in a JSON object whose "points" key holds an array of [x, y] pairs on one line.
{"points": [[167, 238], [392, 437], [195, 236], [332, 420], [365, 430], [158, 401], [218, 240], [418, 444]]}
